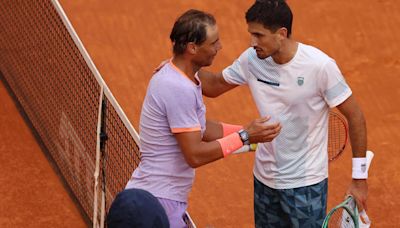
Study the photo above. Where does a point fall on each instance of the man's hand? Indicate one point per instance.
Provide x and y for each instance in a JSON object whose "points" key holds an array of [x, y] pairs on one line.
{"points": [[359, 190], [260, 131], [162, 64]]}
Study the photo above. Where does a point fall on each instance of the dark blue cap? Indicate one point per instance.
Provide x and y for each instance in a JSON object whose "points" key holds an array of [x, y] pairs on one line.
{"points": [[134, 208]]}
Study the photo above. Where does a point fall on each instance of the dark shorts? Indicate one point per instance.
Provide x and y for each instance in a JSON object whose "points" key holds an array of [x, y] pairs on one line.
{"points": [[298, 207]]}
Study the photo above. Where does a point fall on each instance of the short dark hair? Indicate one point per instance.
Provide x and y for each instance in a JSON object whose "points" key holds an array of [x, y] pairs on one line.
{"points": [[273, 14], [190, 27]]}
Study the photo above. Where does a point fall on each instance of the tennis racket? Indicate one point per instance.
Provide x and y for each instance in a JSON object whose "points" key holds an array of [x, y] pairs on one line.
{"points": [[346, 213], [337, 135]]}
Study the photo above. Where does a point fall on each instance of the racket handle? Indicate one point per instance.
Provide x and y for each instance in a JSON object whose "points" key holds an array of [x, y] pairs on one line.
{"points": [[246, 148], [363, 220], [369, 156], [243, 149]]}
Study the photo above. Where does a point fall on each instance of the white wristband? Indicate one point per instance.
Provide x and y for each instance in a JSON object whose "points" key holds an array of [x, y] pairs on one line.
{"points": [[360, 170]]}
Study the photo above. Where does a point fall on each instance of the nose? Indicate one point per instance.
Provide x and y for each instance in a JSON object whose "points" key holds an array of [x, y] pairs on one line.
{"points": [[218, 46], [253, 41]]}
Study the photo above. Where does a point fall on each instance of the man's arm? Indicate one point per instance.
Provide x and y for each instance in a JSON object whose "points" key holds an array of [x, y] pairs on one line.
{"points": [[197, 152], [214, 84], [357, 126], [358, 139], [214, 131]]}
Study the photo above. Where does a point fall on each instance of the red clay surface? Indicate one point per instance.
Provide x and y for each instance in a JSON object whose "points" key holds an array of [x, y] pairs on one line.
{"points": [[127, 40], [31, 194]]}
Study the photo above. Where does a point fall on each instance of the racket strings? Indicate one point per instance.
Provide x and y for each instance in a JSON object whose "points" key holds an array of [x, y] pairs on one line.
{"points": [[341, 218], [337, 135]]}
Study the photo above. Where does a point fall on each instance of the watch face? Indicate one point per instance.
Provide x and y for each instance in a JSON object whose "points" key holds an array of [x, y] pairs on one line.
{"points": [[244, 135]]}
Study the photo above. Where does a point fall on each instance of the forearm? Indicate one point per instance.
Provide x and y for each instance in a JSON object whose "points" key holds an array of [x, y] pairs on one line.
{"points": [[198, 152], [358, 134], [204, 153], [213, 84], [357, 126], [216, 130]]}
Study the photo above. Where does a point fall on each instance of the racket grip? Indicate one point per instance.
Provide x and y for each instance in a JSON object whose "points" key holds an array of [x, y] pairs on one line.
{"points": [[365, 222], [243, 149], [369, 156], [246, 148]]}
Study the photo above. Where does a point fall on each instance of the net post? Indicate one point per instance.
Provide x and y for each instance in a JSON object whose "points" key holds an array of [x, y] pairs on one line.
{"points": [[103, 139], [98, 154]]}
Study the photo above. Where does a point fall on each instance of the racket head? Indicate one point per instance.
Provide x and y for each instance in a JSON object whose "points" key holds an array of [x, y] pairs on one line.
{"points": [[337, 135], [344, 215]]}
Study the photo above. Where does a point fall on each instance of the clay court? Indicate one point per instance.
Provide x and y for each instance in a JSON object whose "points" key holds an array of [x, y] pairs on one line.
{"points": [[128, 39]]}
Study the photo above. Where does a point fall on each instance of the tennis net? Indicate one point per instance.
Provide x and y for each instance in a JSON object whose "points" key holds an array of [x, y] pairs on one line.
{"points": [[67, 102]]}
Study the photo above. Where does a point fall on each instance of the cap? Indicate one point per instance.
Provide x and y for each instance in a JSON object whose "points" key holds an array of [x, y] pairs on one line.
{"points": [[134, 208]]}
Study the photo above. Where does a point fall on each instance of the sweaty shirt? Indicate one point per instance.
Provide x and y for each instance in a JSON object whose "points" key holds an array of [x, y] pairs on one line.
{"points": [[298, 94], [173, 104]]}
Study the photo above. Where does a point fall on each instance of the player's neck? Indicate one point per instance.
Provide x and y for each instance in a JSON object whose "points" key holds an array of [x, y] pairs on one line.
{"points": [[287, 52], [186, 66]]}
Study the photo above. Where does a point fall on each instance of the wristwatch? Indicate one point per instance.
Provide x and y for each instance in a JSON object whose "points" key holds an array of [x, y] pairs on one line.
{"points": [[244, 136]]}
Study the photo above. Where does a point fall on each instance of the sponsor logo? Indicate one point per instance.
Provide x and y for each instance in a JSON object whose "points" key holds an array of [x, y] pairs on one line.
{"points": [[363, 168], [300, 81]]}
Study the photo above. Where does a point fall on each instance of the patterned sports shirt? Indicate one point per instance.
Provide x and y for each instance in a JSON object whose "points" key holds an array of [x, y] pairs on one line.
{"points": [[298, 94]]}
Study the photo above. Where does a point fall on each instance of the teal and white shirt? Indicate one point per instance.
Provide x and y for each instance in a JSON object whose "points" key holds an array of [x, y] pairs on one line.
{"points": [[298, 94]]}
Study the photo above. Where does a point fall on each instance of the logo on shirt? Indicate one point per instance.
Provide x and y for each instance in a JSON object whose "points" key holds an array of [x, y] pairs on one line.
{"points": [[363, 168], [300, 81], [268, 82]]}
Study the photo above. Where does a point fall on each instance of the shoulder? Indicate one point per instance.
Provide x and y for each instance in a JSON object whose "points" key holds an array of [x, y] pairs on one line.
{"points": [[249, 57], [313, 55], [250, 54], [246, 54], [168, 82]]}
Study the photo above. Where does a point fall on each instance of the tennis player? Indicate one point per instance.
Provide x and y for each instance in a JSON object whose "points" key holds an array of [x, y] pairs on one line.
{"points": [[175, 136], [296, 84]]}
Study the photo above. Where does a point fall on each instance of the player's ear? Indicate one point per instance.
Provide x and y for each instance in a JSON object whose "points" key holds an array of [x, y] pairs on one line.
{"points": [[191, 47], [282, 32]]}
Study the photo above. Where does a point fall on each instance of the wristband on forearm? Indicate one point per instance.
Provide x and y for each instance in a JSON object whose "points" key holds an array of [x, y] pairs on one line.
{"points": [[230, 143], [228, 129], [359, 168]]}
